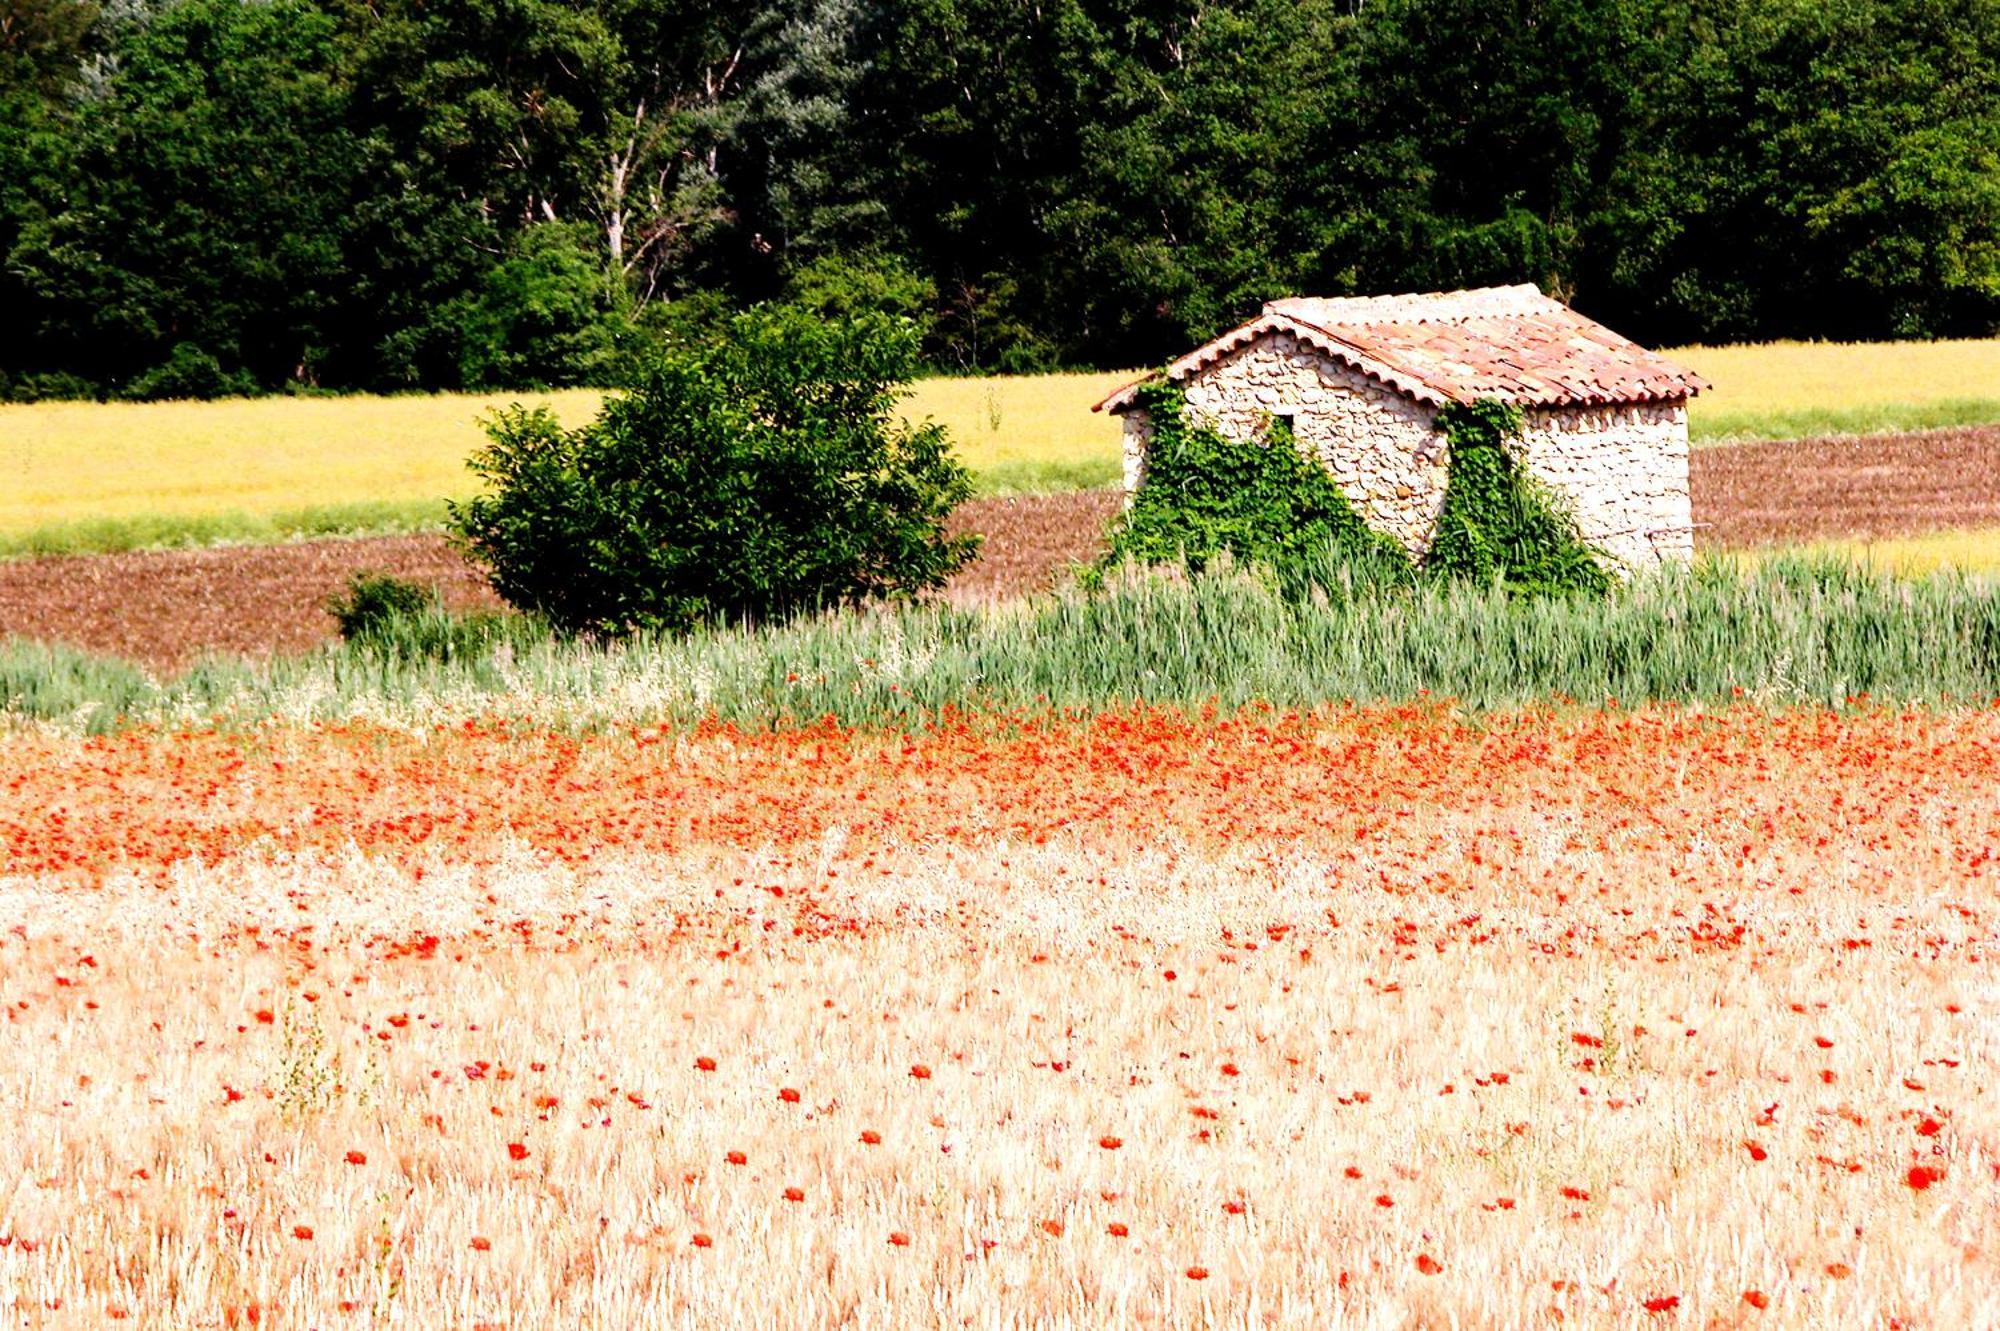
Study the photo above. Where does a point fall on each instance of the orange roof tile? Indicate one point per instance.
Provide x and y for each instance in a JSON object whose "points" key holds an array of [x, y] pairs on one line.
{"points": [[1509, 343]]}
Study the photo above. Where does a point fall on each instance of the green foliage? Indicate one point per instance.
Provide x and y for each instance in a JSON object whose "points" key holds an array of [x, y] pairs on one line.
{"points": [[189, 373], [389, 620], [546, 316], [426, 194], [1261, 502], [184, 238], [842, 287], [372, 601], [756, 476], [1497, 523]]}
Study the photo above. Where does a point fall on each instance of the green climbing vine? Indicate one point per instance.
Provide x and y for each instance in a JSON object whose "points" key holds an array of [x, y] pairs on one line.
{"points": [[1265, 503], [1262, 502], [1499, 524]]}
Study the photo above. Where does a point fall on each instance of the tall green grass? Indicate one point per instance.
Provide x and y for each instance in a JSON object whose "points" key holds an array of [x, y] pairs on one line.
{"points": [[1784, 632]]}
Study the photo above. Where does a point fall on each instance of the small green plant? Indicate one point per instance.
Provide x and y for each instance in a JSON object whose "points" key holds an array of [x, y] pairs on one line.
{"points": [[375, 601], [386, 1265], [1261, 502], [394, 620], [308, 1074], [1498, 524]]}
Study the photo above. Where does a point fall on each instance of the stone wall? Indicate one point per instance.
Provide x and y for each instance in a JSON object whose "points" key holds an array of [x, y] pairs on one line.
{"points": [[1623, 470]]}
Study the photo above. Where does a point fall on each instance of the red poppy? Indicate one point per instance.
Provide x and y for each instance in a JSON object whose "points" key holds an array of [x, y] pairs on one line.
{"points": [[737, 1158], [482, 1245], [1428, 1264], [1116, 1229], [899, 1239], [1233, 1208], [702, 1241], [920, 1072], [1197, 1273], [1756, 1298], [1053, 1228], [788, 1095], [356, 1158], [870, 1137], [1839, 1270], [304, 1232], [1384, 1199], [795, 1194], [1666, 1303], [1922, 1176], [516, 1151], [1231, 1070], [705, 1064], [1111, 1143]]}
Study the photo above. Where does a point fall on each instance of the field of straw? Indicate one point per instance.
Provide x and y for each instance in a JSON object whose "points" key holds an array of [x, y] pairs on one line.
{"points": [[1367, 1017], [120, 475]]}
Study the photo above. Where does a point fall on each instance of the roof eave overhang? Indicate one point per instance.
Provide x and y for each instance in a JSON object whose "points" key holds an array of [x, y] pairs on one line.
{"points": [[1685, 383], [1319, 338]]}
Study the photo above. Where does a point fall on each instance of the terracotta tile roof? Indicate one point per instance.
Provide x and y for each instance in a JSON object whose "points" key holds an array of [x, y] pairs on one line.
{"points": [[1510, 343]]}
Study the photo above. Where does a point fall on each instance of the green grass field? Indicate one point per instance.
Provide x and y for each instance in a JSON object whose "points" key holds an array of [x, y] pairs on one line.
{"points": [[103, 476]]}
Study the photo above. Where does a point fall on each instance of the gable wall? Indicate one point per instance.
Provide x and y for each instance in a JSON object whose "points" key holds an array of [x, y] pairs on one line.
{"points": [[1623, 470], [1380, 446]]}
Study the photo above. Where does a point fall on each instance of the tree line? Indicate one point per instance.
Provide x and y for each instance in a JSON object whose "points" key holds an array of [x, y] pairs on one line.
{"points": [[215, 196]]}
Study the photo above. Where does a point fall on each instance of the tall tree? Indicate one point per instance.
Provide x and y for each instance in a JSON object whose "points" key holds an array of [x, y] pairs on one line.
{"points": [[202, 201]]}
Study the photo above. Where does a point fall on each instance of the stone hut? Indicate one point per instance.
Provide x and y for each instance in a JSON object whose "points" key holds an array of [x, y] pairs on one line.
{"points": [[1360, 380]]}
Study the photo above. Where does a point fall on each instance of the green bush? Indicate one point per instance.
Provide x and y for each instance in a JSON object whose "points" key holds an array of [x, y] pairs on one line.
{"points": [[1260, 502], [395, 621], [190, 374], [751, 476], [373, 601]]}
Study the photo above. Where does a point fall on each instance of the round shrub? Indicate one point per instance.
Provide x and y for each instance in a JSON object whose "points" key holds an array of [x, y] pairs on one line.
{"points": [[753, 475]]}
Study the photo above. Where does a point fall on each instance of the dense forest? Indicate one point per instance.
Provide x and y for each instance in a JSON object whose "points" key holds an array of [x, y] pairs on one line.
{"points": [[217, 196]]}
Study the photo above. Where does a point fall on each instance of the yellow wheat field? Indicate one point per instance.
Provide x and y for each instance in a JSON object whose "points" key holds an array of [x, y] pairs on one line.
{"points": [[1812, 376], [1976, 551], [79, 462]]}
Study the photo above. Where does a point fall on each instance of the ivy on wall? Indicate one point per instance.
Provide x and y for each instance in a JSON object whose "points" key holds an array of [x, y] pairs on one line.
{"points": [[1261, 502], [1264, 502], [1498, 523]]}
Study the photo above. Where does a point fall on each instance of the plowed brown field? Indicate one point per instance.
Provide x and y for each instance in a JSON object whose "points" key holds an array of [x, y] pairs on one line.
{"points": [[165, 608]]}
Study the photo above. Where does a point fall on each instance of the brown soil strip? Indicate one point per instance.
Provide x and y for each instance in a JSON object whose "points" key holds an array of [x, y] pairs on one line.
{"points": [[1824, 489], [166, 608]]}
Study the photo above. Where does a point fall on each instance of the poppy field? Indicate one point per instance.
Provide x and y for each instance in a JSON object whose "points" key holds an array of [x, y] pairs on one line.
{"points": [[1365, 1016]]}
